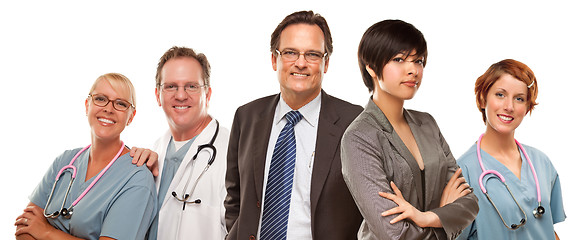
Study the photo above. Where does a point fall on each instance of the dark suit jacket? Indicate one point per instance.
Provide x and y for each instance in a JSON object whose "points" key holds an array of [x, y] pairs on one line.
{"points": [[333, 211]]}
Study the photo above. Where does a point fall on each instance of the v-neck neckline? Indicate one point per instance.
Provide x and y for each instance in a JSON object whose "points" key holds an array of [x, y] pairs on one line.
{"points": [[504, 170]]}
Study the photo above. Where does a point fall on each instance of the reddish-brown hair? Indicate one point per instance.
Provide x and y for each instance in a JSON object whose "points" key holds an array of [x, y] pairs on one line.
{"points": [[518, 70]]}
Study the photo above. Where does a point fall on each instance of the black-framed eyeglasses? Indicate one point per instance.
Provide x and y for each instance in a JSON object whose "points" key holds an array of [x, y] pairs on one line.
{"points": [[101, 100], [189, 87], [291, 55]]}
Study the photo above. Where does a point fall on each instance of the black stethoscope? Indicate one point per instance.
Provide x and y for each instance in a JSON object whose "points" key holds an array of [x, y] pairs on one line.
{"points": [[184, 198], [537, 212]]}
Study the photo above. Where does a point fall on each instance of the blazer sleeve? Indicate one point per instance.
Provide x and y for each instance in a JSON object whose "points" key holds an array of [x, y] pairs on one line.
{"points": [[232, 180], [363, 164], [466, 206], [470, 232]]}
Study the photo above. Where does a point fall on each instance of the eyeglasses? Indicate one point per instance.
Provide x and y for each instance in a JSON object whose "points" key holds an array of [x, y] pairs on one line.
{"points": [[118, 104], [189, 87], [290, 55]]}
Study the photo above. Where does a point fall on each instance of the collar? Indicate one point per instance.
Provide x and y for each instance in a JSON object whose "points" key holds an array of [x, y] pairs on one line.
{"points": [[310, 111], [373, 110]]}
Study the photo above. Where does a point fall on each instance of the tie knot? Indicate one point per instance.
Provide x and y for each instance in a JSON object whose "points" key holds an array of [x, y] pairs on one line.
{"points": [[293, 117]]}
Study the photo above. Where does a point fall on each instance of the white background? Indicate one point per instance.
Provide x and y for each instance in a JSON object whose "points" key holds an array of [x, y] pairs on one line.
{"points": [[52, 51]]}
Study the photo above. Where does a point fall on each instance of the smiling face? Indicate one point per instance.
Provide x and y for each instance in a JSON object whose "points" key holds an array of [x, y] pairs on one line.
{"points": [[107, 123], [300, 78], [401, 76], [506, 104], [184, 110]]}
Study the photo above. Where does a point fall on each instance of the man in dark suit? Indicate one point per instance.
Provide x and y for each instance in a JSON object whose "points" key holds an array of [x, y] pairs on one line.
{"points": [[321, 206]]}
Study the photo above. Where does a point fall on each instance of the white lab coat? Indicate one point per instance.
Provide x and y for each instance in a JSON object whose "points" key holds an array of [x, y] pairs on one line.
{"points": [[197, 221]]}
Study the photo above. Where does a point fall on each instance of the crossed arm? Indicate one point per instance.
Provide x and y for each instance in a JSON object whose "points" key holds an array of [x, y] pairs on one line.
{"points": [[456, 187], [370, 166], [32, 225]]}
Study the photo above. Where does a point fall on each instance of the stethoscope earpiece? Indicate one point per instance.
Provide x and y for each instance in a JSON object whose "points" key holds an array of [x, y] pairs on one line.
{"points": [[521, 223]]}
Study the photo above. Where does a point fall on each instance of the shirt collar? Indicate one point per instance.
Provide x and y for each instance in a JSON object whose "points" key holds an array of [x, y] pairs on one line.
{"points": [[310, 111]]}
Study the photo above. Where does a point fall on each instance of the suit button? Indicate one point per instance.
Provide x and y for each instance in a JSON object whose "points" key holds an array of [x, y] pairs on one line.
{"points": [[258, 204], [251, 237]]}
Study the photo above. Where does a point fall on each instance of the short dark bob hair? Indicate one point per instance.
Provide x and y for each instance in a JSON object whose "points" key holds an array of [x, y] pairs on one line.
{"points": [[383, 41]]}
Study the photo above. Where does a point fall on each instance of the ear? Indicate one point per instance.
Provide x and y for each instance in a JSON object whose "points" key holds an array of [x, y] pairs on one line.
{"points": [[208, 94], [371, 71], [483, 103], [273, 59], [131, 117], [327, 65], [157, 96], [86, 104]]}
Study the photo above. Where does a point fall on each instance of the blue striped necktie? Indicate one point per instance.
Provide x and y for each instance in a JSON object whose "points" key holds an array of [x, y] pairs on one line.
{"points": [[280, 181]]}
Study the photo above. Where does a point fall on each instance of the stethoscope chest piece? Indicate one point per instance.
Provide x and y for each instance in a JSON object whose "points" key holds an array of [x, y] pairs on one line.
{"points": [[67, 213], [538, 211]]}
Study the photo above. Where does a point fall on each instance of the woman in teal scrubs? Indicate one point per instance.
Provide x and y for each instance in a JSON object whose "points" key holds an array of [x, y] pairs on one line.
{"points": [[505, 94], [110, 197]]}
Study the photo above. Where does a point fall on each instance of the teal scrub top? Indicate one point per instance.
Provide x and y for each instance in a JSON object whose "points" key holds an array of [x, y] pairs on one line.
{"points": [[488, 225], [121, 205]]}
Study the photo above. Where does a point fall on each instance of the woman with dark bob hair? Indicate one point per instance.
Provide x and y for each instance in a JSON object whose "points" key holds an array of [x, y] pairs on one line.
{"points": [[401, 154], [521, 187]]}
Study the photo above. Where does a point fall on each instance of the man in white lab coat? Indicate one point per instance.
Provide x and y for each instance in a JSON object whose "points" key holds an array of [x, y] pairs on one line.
{"points": [[192, 153]]}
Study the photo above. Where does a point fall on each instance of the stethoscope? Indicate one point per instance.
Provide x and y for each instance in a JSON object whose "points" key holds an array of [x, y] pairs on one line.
{"points": [[185, 196], [537, 212], [67, 212]]}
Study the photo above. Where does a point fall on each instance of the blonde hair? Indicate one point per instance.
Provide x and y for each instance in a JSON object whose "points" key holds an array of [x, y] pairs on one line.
{"points": [[117, 81]]}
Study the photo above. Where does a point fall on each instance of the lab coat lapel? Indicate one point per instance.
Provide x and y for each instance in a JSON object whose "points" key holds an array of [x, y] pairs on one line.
{"points": [[183, 174], [327, 144], [260, 145]]}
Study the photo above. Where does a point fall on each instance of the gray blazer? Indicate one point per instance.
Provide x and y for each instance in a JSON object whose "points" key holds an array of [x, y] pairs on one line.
{"points": [[373, 155]]}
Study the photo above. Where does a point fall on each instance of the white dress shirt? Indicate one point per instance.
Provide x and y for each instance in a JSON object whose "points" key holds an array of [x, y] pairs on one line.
{"points": [[299, 222]]}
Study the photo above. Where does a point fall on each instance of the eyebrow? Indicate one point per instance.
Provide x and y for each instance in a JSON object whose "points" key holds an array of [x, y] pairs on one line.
{"points": [[173, 83], [110, 99], [292, 49], [405, 55], [517, 94]]}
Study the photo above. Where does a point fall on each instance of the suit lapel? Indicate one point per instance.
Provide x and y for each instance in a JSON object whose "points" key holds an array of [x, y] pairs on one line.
{"points": [[428, 149], [400, 147], [261, 141], [327, 145]]}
